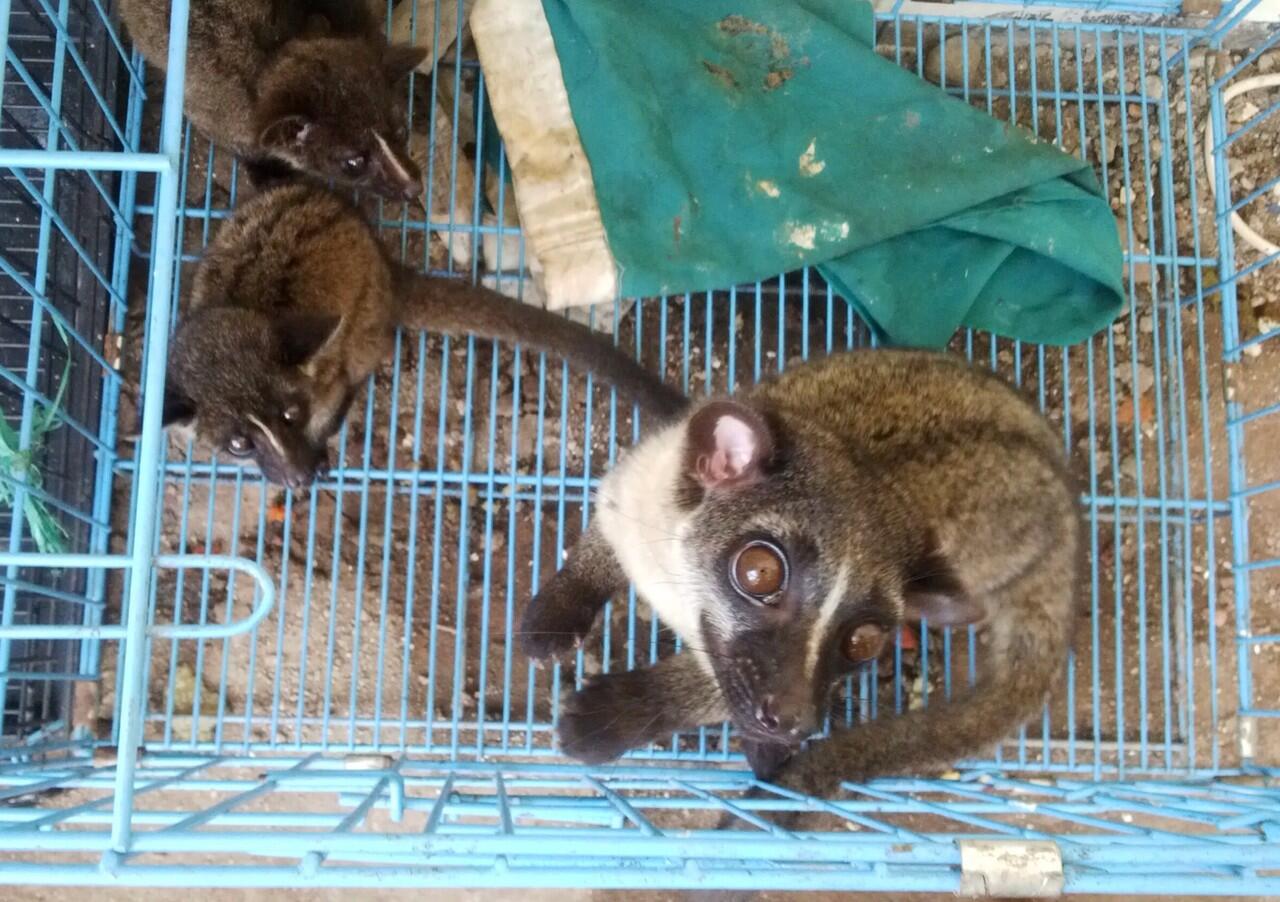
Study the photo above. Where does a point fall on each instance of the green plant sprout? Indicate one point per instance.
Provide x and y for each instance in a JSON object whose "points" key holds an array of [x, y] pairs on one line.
{"points": [[21, 467]]}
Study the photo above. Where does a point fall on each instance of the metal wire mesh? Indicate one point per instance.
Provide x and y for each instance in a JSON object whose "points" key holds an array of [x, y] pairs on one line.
{"points": [[465, 471], [58, 231], [376, 721]]}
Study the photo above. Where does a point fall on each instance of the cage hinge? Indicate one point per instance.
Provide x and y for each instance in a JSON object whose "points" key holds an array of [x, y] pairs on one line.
{"points": [[1010, 868]]}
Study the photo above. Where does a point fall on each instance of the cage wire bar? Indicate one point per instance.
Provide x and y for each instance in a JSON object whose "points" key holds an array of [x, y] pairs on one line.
{"points": [[323, 694], [62, 239]]}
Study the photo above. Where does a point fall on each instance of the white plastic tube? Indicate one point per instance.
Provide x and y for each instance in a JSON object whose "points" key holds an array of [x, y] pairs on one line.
{"points": [[1238, 225]]}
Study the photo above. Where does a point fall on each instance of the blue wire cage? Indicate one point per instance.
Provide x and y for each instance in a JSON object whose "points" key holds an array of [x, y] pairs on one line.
{"points": [[207, 682]]}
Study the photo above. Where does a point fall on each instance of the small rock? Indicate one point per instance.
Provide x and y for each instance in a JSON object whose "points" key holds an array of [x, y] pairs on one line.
{"points": [[953, 51], [1145, 323], [901, 32], [1144, 274], [1080, 411], [184, 688], [1146, 379], [1140, 229], [1244, 112], [505, 404], [1201, 7], [1155, 87], [527, 444], [1111, 145]]}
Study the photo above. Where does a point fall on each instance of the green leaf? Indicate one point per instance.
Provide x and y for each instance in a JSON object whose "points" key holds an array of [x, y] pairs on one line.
{"points": [[18, 466]]}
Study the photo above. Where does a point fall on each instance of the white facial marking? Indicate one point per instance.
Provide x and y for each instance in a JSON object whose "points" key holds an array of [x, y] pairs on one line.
{"points": [[393, 161], [271, 436], [829, 606], [638, 516]]}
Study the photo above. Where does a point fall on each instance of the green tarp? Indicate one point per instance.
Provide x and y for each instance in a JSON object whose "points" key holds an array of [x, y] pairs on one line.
{"points": [[731, 141]]}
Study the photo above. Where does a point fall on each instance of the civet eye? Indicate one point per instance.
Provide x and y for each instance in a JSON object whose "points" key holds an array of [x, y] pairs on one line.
{"points": [[293, 413], [759, 571], [353, 167], [240, 445], [862, 643]]}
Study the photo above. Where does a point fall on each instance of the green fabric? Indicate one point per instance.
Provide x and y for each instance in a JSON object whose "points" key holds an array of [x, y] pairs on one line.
{"points": [[696, 116]]}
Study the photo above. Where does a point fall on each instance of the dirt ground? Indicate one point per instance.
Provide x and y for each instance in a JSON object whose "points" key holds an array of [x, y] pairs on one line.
{"points": [[460, 478]]}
